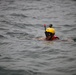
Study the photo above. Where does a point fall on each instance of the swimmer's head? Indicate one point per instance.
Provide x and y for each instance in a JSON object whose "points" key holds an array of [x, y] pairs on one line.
{"points": [[50, 30]]}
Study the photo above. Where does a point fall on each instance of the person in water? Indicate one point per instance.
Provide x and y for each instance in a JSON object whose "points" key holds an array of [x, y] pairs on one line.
{"points": [[49, 33]]}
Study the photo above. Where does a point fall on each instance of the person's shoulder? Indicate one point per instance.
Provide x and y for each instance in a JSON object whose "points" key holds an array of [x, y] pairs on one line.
{"points": [[56, 37]]}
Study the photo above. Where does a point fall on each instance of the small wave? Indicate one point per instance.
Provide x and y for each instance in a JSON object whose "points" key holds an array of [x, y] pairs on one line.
{"points": [[1, 37], [73, 29], [3, 29], [23, 25], [20, 35], [69, 30], [10, 8], [52, 51], [6, 59], [4, 21], [15, 33], [4, 43], [1, 15], [70, 59], [73, 0], [24, 9], [33, 0], [18, 15], [5, 71], [66, 25]]}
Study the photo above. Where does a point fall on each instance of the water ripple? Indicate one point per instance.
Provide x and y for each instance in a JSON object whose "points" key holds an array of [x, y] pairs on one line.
{"points": [[21, 21], [18, 15]]}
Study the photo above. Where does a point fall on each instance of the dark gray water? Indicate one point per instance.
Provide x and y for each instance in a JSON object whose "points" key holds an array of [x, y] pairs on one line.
{"points": [[21, 21]]}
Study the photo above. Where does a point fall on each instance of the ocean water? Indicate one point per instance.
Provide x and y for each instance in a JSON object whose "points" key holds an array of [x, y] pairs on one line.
{"points": [[21, 21]]}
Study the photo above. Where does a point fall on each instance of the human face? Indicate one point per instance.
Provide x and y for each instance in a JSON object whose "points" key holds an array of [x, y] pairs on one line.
{"points": [[48, 35]]}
